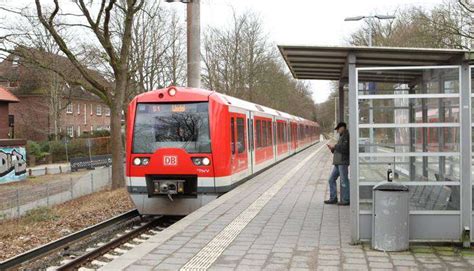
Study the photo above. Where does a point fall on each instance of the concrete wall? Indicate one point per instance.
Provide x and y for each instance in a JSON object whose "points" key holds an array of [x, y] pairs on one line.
{"points": [[93, 181]]}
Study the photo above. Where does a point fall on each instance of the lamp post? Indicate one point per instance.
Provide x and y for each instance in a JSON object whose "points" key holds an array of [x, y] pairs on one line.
{"points": [[370, 19], [193, 31]]}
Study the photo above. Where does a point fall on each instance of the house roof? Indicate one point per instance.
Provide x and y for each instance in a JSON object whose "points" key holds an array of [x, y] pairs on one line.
{"points": [[7, 96], [35, 80], [330, 62]]}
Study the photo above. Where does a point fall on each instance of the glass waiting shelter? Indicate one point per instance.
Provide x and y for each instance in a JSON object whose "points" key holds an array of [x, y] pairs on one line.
{"points": [[408, 110]]}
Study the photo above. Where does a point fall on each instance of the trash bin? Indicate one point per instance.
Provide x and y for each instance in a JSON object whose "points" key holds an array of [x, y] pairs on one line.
{"points": [[390, 229]]}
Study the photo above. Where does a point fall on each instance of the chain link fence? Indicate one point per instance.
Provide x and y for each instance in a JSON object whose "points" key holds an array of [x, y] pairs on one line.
{"points": [[17, 201]]}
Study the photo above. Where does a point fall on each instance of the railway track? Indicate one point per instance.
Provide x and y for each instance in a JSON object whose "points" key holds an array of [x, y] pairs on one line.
{"points": [[60, 254], [66, 241], [137, 235]]}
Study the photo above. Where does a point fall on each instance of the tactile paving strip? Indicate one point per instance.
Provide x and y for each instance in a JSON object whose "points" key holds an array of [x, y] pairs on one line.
{"points": [[209, 254]]}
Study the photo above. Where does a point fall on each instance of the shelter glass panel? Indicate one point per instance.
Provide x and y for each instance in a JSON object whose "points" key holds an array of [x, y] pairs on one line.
{"points": [[422, 197], [409, 121]]}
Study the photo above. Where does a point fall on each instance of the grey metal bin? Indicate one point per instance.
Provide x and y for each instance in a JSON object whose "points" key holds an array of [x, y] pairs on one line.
{"points": [[390, 228]]}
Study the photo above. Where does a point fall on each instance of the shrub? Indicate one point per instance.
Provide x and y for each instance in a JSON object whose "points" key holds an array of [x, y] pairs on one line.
{"points": [[35, 150]]}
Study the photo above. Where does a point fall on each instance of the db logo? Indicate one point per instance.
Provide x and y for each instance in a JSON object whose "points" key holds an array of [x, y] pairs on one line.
{"points": [[170, 160]]}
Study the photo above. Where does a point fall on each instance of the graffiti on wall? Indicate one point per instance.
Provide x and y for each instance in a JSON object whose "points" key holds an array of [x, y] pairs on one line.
{"points": [[12, 164]]}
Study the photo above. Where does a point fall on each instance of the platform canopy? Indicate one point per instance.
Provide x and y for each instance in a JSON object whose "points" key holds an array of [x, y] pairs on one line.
{"points": [[330, 63]]}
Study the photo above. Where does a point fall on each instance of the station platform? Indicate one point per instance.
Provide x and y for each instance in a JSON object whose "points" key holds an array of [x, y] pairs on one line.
{"points": [[277, 221]]}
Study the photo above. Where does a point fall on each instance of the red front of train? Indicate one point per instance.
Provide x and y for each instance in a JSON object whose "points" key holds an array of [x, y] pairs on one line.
{"points": [[171, 149]]}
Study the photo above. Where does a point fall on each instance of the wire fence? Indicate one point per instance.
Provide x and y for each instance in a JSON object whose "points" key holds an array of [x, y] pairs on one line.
{"points": [[17, 201]]}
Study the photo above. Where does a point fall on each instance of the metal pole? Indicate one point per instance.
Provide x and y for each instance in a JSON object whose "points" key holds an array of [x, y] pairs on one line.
{"points": [[466, 152], [92, 182], [18, 202], [353, 127], [67, 156], [194, 44]]}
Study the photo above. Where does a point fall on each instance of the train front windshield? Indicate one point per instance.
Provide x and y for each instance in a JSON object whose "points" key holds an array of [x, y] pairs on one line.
{"points": [[183, 125]]}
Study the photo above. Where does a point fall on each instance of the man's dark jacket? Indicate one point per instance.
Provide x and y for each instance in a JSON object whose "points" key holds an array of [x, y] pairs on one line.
{"points": [[341, 150]]}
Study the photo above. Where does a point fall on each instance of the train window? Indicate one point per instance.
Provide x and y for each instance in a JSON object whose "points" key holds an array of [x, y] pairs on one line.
{"points": [[265, 136], [184, 125], [232, 135], [258, 131], [240, 135]]}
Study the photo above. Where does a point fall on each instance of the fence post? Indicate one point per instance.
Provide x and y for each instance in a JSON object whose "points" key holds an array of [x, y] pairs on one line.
{"points": [[92, 182], [18, 202], [72, 187], [60, 169], [45, 170], [47, 194]]}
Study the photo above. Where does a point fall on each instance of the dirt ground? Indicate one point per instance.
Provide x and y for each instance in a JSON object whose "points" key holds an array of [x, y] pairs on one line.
{"points": [[43, 225]]}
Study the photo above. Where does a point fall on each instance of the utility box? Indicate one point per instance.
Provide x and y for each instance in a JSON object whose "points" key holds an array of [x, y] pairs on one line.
{"points": [[390, 215]]}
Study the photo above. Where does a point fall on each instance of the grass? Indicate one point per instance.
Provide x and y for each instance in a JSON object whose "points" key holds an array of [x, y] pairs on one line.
{"points": [[40, 214]]}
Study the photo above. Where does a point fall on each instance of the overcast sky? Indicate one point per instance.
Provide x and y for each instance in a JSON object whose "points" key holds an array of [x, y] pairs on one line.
{"points": [[306, 22], [295, 22]]}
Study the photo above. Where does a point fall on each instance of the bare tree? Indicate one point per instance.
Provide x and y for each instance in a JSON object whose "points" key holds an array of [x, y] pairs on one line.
{"points": [[115, 48], [240, 61], [157, 56], [444, 26]]}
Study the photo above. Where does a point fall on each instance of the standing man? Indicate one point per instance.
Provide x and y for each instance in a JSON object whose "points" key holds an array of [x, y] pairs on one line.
{"points": [[341, 167]]}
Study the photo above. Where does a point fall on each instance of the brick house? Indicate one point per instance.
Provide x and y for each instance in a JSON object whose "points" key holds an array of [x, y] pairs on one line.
{"points": [[48, 105]]}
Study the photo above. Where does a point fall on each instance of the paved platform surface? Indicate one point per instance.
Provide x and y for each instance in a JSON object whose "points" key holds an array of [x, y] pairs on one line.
{"points": [[277, 221]]}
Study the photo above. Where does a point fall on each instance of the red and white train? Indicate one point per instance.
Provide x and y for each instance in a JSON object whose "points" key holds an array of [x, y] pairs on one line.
{"points": [[187, 146]]}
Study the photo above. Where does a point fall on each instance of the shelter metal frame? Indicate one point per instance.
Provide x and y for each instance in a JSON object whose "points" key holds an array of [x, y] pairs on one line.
{"points": [[401, 65]]}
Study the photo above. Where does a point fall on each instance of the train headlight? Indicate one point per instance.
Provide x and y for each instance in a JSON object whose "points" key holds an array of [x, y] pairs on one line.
{"points": [[141, 161], [201, 161], [206, 161], [172, 91], [197, 161], [137, 161]]}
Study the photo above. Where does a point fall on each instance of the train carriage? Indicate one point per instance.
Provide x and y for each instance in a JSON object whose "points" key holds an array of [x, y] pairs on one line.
{"points": [[187, 146]]}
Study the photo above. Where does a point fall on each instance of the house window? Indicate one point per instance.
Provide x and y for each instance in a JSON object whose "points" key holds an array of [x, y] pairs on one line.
{"points": [[70, 131], [69, 108], [92, 129], [78, 130], [107, 111], [92, 111], [13, 84], [78, 109], [98, 110]]}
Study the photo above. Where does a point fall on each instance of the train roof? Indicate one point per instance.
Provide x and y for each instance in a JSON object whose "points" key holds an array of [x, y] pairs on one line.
{"points": [[256, 107], [229, 100]]}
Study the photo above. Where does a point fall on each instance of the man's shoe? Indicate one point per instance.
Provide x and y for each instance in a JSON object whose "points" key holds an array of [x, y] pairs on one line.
{"points": [[331, 201], [344, 203]]}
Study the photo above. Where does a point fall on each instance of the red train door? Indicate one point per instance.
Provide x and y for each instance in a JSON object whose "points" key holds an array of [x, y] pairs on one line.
{"points": [[294, 136], [239, 157]]}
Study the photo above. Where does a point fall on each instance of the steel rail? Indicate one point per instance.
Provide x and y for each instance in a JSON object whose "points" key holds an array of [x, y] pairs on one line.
{"points": [[96, 253], [64, 241]]}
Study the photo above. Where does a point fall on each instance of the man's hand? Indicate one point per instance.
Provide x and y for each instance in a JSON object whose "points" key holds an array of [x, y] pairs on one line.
{"points": [[331, 147]]}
